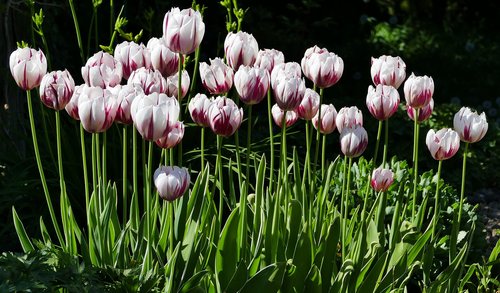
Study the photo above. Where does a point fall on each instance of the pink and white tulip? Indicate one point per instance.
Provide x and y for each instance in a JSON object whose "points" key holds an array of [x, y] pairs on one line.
{"points": [[72, 105], [173, 137], [349, 117], [171, 182], [56, 89], [288, 69], [252, 84], [132, 56], [198, 109], [224, 116], [27, 66], [382, 101], [328, 119], [418, 90], [150, 80], [102, 70], [162, 59], [277, 113], [173, 84], [125, 96], [323, 68], [423, 114], [268, 58], [241, 49], [353, 141], [381, 179], [388, 70], [471, 126], [309, 105], [288, 88], [217, 77], [96, 109], [183, 30], [442, 144]]}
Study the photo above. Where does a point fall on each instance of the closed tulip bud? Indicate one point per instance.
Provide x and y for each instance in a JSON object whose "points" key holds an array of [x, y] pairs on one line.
{"points": [[102, 70], [96, 109], [27, 66], [72, 105], [353, 141], [423, 114], [291, 116], [388, 70], [162, 59], [418, 90], [171, 182], [217, 77], [382, 101], [328, 119], [442, 144], [154, 115], [471, 126], [173, 137], [151, 81], [56, 89], [323, 68], [173, 84], [268, 58], [252, 84], [198, 108], [224, 116], [288, 91], [349, 117], [381, 179], [241, 49], [309, 105], [183, 30], [132, 56], [125, 96], [288, 69]]}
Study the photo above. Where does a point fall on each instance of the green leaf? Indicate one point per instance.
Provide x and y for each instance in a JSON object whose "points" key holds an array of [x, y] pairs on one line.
{"points": [[330, 253], [370, 283], [268, 279], [226, 260], [313, 280], [21, 232], [418, 246], [193, 282], [293, 226], [301, 264]]}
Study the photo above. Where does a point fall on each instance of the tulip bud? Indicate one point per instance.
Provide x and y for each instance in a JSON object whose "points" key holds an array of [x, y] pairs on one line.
{"points": [[309, 105], [102, 70], [388, 70], [162, 59], [72, 105], [56, 89], [173, 84], [382, 101], [328, 116], [291, 116], [418, 90], [323, 68], [198, 108], [252, 84], [183, 30], [349, 117], [224, 116], [132, 56], [125, 96], [381, 179], [217, 77], [96, 109], [173, 137], [268, 58], [241, 49], [288, 69], [442, 144], [171, 182], [353, 140], [154, 115], [471, 126], [27, 66], [423, 114], [288, 89], [151, 81]]}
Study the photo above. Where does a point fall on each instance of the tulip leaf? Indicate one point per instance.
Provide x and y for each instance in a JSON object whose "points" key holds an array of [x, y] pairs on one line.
{"points": [[227, 250], [268, 279], [21, 232], [313, 280]]}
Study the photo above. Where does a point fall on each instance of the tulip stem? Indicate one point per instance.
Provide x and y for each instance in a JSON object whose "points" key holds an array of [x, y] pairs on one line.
{"points": [[415, 159], [64, 200], [195, 75], [171, 230], [124, 173], [99, 170], [135, 184], [386, 142], [456, 226], [77, 29], [238, 159], [179, 97], [148, 198], [318, 131], [219, 168], [379, 135], [249, 145], [307, 170], [436, 201], [271, 140], [84, 165], [202, 149], [323, 157], [104, 160], [285, 165]]}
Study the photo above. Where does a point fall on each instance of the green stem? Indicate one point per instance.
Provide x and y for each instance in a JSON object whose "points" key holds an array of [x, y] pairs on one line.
{"points": [[249, 144], [96, 29], [111, 17], [219, 168], [285, 165], [202, 149], [238, 158], [415, 160], [379, 135], [46, 50], [386, 143], [104, 161], [318, 132], [436, 202], [84, 165], [342, 209], [124, 173], [179, 97], [323, 157], [77, 29], [171, 230], [94, 164], [40, 169], [64, 202], [271, 140], [456, 226], [99, 170], [135, 196], [148, 198], [195, 75]]}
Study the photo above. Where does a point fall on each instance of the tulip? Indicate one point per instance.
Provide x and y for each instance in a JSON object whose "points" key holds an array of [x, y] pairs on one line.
{"points": [[217, 77], [268, 58], [288, 89], [241, 49], [171, 182], [96, 109], [125, 97], [151, 81], [323, 68], [382, 101], [388, 70], [102, 70], [471, 126], [183, 30], [418, 91], [56, 89], [154, 115], [162, 59], [381, 179], [198, 108], [72, 105], [328, 119], [288, 69], [423, 114], [173, 137], [348, 117], [173, 84], [442, 144], [353, 141], [251, 83], [27, 66], [309, 105], [291, 116], [132, 56], [224, 116]]}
